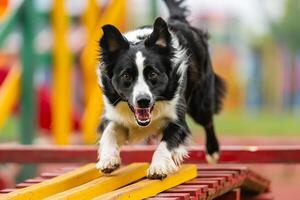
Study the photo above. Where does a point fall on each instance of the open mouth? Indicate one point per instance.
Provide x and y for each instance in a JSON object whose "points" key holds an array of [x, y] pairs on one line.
{"points": [[142, 115]]}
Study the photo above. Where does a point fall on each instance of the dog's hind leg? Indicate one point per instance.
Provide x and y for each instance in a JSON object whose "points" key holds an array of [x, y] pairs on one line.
{"points": [[201, 107], [212, 144]]}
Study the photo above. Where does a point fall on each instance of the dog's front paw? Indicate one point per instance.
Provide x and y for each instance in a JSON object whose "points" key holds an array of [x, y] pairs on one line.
{"points": [[108, 164], [161, 170]]}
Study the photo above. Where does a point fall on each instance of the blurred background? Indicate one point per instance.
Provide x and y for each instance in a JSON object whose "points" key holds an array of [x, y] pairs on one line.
{"points": [[49, 53]]}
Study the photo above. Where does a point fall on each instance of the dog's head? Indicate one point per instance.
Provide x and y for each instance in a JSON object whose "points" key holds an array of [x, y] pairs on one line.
{"points": [[138, 72]]}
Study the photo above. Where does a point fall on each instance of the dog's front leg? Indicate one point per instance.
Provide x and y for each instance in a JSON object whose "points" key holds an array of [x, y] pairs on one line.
{"points": [[170, 152], [112, 138]]}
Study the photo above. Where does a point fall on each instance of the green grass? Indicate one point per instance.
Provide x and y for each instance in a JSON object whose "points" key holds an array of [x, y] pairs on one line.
{"points": [[254, 124], [10, 130], [238, 123]]}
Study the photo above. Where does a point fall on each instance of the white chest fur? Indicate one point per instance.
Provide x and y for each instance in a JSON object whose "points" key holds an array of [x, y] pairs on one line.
{"points": [[163, 112]]}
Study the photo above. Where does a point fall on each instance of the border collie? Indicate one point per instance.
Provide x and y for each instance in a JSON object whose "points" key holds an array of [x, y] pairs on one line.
{"points": [[150, 78]]}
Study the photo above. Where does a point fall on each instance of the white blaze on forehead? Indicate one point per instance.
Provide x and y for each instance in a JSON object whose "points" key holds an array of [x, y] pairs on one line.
{"points": [[139, 61], [141, 87]]}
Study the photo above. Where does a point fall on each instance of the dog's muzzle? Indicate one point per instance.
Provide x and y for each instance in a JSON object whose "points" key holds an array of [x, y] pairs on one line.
{"points": [[142, 110]]}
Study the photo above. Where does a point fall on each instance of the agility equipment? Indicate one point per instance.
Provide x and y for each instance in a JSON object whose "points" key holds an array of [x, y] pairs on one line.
{"points": [[129, 182], [193, 181], [130, 154]]}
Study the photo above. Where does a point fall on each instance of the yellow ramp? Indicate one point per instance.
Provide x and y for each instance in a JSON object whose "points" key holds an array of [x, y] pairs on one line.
{"points": [[148, 188], [55, 185], [94, 188]]}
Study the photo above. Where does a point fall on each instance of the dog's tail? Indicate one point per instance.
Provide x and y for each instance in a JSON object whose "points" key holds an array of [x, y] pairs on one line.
{"points": [[176, 10]]}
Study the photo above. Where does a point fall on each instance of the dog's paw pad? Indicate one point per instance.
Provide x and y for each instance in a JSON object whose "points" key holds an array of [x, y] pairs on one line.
{"points": [[213, 158], [157, 176], [110, 169], [161, 171], [108, 165], [157, 172]]}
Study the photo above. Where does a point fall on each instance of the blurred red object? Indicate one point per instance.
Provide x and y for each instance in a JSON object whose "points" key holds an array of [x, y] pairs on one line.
{"points": [[44, 105], [44, 109]]}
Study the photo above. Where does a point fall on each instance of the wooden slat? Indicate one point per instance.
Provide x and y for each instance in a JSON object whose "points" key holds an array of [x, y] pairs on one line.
{"points": [[7, 190], [211, 184], [34, 180], [73, 154], [194, 192], [55, 185], [99, 186], [182, 195], [147, 188]]}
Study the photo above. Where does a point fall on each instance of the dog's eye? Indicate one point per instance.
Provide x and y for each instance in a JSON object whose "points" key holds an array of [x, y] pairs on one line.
{"points": [[125, 76], [152, 76]]}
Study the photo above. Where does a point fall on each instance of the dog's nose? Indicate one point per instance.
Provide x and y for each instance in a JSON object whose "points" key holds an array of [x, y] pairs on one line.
{"points": [[143, 101]]}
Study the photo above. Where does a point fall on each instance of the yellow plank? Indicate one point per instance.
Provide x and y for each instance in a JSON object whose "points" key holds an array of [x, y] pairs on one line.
{"points": [[9, 93], [61, 91], [148, 188], [115, 14], [58, 184], [102, 185]]}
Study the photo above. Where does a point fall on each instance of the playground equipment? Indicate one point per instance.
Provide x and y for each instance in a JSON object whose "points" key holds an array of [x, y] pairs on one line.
{"points": [[3, 7], [9, 92], [192, 181], [19, 84]]}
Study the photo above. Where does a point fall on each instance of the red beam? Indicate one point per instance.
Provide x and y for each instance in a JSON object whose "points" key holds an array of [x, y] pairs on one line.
{"points": [[75, 154]]}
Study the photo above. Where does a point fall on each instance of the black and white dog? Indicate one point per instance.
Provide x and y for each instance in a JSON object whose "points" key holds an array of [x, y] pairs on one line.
{"points": [[151, 77]]}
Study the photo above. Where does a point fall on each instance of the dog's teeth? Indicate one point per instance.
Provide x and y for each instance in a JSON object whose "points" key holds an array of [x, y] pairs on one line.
{"points": [[144, 121]]}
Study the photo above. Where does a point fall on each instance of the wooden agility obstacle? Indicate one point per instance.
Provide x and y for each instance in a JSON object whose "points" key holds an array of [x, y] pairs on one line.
{"points": [[75, 154], [190, 182]]}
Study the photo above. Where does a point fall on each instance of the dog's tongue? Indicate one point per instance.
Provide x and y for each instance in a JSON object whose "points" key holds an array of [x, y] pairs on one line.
{"points": [[142, 114]]}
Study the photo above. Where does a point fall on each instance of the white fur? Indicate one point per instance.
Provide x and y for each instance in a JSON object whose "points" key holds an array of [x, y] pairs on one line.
{"points": [[109, 148], [133, 36], [180, 57], [140, 87], [179, 154], [162, 163], [98, 71]]}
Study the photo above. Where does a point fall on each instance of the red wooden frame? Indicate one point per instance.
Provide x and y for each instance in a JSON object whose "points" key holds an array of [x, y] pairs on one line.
{"points": [[73, 154]]}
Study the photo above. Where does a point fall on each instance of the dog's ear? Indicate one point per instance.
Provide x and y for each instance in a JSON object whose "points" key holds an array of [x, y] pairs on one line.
{"points": [[112, 40], [160, 36]]}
